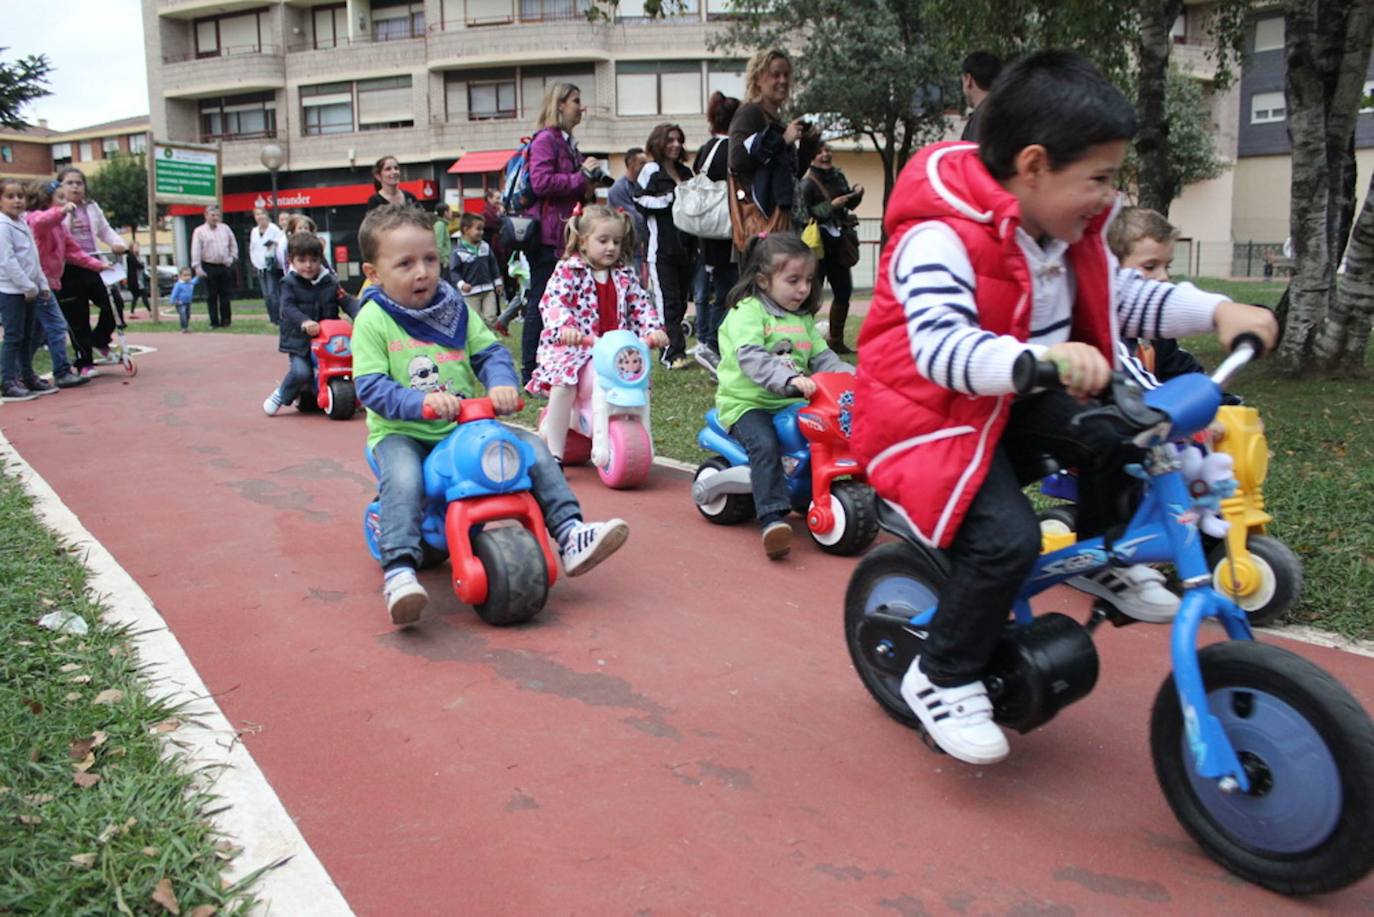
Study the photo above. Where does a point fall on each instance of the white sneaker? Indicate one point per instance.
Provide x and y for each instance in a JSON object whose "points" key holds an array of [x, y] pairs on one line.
{"points": [[1137, 591], [958, 719], [272, 405], [589, 543], [405, 598]]}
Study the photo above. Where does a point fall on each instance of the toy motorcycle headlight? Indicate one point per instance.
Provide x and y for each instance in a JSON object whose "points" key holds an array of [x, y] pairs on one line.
{"points": [[501, 462], [340, 346]]}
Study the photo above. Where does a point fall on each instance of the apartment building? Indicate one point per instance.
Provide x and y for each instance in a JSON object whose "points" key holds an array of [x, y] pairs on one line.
{"points": [[449, 87], [38, 151]]}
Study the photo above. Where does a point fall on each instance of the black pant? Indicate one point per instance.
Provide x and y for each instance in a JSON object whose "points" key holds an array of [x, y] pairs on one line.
{"points": [[841, 285], [80, 288], [999, 539], [672, 280], [542, 263], [756, 434], [217, 280], [722, 278]]}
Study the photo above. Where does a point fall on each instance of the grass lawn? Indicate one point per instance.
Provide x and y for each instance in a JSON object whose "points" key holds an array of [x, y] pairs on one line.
{"points": [[95, 816]]}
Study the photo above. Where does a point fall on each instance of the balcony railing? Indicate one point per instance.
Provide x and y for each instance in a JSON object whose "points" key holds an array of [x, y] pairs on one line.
{"points": [[237, 51], [230, 138]]}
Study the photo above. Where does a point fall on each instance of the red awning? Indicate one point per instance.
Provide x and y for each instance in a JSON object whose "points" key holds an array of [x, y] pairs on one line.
{"points": [[481, 161]]}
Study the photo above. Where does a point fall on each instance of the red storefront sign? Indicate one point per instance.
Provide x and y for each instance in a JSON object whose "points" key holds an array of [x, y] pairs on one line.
{"points": [[301, 198]]}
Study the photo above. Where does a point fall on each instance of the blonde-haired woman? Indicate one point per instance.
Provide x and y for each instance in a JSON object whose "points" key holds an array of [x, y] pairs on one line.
{"points": [[560, 178], [765, 161]]}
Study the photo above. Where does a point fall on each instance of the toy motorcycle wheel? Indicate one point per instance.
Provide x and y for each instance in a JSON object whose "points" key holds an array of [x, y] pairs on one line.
{"points": [[631, 456], [889, 587], [517, 579], [343, 399], [1058, 520], [1304, 825], [1269, 588], [727, 509], [856, 519], [307, 404]]}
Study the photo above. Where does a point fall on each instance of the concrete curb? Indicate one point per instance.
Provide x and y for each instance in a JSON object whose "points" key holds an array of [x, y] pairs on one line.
{"points": [[254, 817]]}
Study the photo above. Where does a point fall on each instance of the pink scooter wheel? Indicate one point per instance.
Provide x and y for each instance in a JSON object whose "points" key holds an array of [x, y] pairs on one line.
{"points": [[632, 455]]}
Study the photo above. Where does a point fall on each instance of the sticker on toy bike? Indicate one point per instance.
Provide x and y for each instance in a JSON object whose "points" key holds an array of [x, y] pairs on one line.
{"points": [[1261, 755]]}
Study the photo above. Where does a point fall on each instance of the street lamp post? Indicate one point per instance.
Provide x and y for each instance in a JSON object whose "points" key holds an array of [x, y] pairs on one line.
{"points": [[272, 158]]}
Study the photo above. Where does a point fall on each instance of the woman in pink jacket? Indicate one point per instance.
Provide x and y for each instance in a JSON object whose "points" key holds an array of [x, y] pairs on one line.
{"points": [[47, 208]]}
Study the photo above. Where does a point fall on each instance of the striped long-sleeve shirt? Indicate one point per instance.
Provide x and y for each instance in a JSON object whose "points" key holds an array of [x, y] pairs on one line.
{"points": [[934, 280]]}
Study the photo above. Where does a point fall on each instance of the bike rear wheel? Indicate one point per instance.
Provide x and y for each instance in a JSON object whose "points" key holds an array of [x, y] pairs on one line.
{"points": [[1306, 825], [517, 577]]}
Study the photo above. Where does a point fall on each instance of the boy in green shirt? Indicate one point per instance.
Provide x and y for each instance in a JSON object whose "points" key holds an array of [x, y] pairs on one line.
{"points": [[417, 345]]}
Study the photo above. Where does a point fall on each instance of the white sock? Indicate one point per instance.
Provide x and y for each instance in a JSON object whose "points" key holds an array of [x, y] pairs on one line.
{"points": [[559, 416]]}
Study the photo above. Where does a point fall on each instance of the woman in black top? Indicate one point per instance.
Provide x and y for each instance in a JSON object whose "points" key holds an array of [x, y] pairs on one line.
{"points": [[386, 178], [135, 278], [830, 201], [765, 152], [721, 271], [671, 253]]}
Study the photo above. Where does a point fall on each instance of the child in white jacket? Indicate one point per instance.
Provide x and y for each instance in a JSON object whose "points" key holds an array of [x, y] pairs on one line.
{"points": [[21, 283]]}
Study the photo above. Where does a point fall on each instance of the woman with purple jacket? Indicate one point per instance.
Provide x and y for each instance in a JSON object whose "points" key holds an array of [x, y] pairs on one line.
{"points": [[561, 179]]}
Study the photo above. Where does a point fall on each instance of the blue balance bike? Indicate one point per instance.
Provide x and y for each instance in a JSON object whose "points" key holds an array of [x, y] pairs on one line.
{"points": [[1265, 758], [480, 513]]}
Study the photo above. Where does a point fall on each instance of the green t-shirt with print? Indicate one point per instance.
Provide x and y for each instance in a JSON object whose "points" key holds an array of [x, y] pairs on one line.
{"points": [[791, 336], [382, 346]]}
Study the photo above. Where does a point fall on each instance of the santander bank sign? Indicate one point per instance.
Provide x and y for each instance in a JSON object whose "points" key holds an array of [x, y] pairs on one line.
{"points": [[300, 198]]}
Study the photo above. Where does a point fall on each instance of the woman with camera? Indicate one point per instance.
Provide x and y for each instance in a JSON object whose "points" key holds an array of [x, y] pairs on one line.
{"points": [[828, 199], [560, 178], [764, 152]]}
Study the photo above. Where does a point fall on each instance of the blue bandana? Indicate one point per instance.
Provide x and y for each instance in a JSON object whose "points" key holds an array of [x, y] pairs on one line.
{"points": [[444, 321]]}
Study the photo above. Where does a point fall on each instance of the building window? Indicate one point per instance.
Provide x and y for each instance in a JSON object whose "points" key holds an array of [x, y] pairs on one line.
{"points": [[480, 12], [487, 101], [672, 9], [385, 103], [138, 143], [61, 155], [330, 25], [221, 36], [547, 10], [658, 87], [109, 147], [327, 108], [396, 21], [725, 76], [87, 151], [534, 80], [1269, 34], [1267, 108], [245, 117], [6, 153]]}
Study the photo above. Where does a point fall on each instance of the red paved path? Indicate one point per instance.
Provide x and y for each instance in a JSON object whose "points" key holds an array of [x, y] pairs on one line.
{"points": [[681, 732]]}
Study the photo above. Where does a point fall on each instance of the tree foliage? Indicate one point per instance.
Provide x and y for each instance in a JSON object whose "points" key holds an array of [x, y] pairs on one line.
{"points": [[1192, 147], [20, 83], [121, 189]]}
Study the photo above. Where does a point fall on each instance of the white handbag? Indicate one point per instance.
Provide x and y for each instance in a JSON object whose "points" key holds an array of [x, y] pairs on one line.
{"points": [[701, 207]]}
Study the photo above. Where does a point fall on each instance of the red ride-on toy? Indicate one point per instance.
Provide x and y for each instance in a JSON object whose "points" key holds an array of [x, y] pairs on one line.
{"points": [[331, 351]]}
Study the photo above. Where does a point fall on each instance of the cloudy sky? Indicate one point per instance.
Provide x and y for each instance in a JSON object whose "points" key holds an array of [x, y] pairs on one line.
{"points": [[96, 51]]}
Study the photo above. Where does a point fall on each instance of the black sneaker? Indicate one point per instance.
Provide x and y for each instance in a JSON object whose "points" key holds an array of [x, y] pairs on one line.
{"points": [[39, 387], [70, 380], [13, 391]]}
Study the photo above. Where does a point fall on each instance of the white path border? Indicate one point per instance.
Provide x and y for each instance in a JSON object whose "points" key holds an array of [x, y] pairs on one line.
{"points": [[253, 816]]}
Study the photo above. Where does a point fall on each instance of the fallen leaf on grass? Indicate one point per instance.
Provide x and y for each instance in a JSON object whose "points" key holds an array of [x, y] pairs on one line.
{"points": [[149, 851], [30, 819], [72, 696], [81, 748], [84, 860], [164, 896], [34, 706], [37, 799], [85, 780], [167, 725], [70, 667], [109, 696], [227, 850], [111, 830], [85, 763], [98, 738], [80, 679], [204, 910]]}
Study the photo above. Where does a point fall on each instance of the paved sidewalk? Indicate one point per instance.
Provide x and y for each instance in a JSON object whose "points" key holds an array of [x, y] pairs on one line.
{"points": [[681, 732]]}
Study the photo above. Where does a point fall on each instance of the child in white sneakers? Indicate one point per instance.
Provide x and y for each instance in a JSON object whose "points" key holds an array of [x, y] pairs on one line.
{"points": [[410, 318]]}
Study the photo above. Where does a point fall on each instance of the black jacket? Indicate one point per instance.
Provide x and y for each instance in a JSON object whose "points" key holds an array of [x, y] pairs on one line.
{"points": [[763, 162], [302, 300], [817, 201], [654, 197]]}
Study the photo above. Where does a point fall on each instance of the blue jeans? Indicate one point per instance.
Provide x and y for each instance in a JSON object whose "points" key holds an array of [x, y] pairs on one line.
{"points": [[401, 461], [53, 328], [184, 314], [300, 376], [756, 434], [18, 316], [271, 291]]}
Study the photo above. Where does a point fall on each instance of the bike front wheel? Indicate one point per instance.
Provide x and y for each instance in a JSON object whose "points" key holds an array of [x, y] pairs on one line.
{"points": [[1306, 825]]}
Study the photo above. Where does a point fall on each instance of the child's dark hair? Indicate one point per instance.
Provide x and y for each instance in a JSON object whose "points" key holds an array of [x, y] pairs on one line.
{"points": [[40, 192], [5, 182], [389, 218], [581, 222], [305, 245], [1056, 99], [468, 220], [762, 257]]}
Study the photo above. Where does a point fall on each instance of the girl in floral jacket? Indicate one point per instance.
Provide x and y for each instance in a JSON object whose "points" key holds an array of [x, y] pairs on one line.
{"points": [[591, 292]]}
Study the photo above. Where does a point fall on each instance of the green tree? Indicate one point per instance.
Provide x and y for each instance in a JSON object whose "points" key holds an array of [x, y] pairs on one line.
{"points": [[1192, 150], [20, 83], [121, 188]]}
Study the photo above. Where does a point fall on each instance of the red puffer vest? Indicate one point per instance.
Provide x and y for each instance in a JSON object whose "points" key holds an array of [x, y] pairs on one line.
{"points": [[927, 448]]}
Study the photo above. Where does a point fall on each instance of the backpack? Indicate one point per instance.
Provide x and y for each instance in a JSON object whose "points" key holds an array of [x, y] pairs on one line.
{"points": [[518, 195], [701, 207]]}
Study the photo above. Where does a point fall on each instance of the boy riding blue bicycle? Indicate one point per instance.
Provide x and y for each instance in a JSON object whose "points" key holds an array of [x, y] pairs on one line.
{"points": [[996, 250]]}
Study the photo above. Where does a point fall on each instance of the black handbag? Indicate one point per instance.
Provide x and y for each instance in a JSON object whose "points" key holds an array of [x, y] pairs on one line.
{"points": [[520, 233]]}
